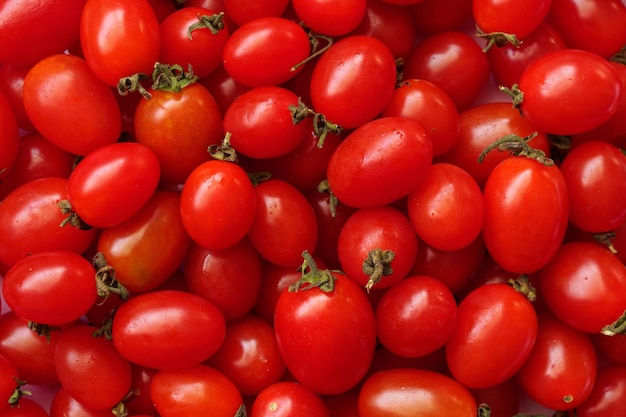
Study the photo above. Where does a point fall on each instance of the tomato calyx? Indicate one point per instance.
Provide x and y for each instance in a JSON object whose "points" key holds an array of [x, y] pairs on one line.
{"points": [[517, 146], [377, 265], [615, 328], [241, 411], [498, 39], [18, 393], [43, 330], [483, 410], [171, 78], [515, 93], [324, 187], [72, 218], [258, 177], [224, 151], [106, 284], [523, 286], [313, 277], [620, 56], [133, 83], [214, 23], [321, 125]]}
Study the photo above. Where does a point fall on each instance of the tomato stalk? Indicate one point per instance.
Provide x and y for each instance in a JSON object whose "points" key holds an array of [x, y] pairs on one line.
{"points": [[617, 327], [498, 39], [42, 329], [314, 40], [72, 218], [14, 399], [483, 410], [523, 286], [324, 187], [106, 284], [224, 151], [171, 78], [313, 277], [214, 23], [606, 239], [518, 146], [620, 57], [515, 93], [321, 126], [377, 265], [133, 83]]}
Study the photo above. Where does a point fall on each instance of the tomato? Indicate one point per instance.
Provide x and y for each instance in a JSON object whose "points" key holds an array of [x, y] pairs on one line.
{"points": [[192, 391], [140, 402], [415, 316], [582, 286], [284, 224], [193, 36], [610, 347], [217, 204], [119, 39], [179, 126], [147, 248], [8, 381], [353, 80], [380, 162], [521, 191], [26, 39], [70, 106], [414, 392], [223, 87], [30, 219], [503, 399], [12, 86], [328, 17], [64, 405], [288, 398], [495, 332], [446, 209], [242, 11], [377, 247], [153, 329], [39, 287], [505, 16], [26, 408], [609, 390], [434, 16], [548, 82], [263, 51], [561, 368], [321, 330]]}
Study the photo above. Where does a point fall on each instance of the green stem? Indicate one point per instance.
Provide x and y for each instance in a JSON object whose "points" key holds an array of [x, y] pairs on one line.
{"points": [[106, 284], [517, 146], [214, 23], [617, 327], [324, 187], [313, 277], [498, 39], [377, 265], [523, 286], [224, 151], [171, 78], [131, 84], [315, 49], [321, 126]]}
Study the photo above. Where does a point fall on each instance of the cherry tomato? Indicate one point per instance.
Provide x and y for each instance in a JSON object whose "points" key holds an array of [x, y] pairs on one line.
{"points": [[328, 17], [242, 11], [434, 16], [288, 398], [505, 16], [610, 347], [12, 86], [503, 399], [8, 383], [223, 87], [64, 405], [25, 408], [607, 394]]}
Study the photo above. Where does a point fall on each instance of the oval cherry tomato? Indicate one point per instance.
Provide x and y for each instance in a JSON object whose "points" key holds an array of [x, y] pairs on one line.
{"points": [[8, 383], [607, 394], [288, 398], [25, 408], [12, 86], [242, 11], [328, 17], [65, 405], [505, 16]]}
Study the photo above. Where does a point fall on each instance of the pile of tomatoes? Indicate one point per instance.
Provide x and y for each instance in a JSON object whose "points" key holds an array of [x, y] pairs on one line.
{"points": [[365, 208]]}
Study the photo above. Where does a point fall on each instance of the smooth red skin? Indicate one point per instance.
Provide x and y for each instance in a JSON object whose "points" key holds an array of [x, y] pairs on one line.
{"points": [[564, 360], [70, 106], [30, 219], [547, 84], [64, 405], [434, 16], [591, 171], [431, 107], [249, 60], [416, 316], [51, 287], [436, 59], [141, 403], [582, 286], [261, 124], [508, 62], [446, 209], [229, 278], [313, 323], [31, 354], [338, 89], [288, 398], [223, 87], [7, 381], [379, 162], [403, 391], [9, 133], [242, 11], [224, 190], [25, 40], [191, 391], [12, 85], [503, 399], [480, 126], [284, 225], [368, 229], [494, 334], [152, 330], [179, 127], [519, 192], [36, 158], [607, 395], [147, 248], [504, 16], [27, 408], [91, 369], [203, 52], [249, 355], [330, 18], [105, 30]]}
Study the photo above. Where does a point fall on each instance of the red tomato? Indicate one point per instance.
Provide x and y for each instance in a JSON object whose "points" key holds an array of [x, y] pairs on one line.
{"points": [[26, 408], [39, 287], [288, 398], [380, 162], [610, 347], [153, 329], [607, 395], [12, 86], [243, 11], [505, 16], [70, 106], [64, 405], [503, 399], [414, 392], [353, 80], [329, 17], [8, 383], [119, 39], [434, 16], [223, 87], [495, 332]]}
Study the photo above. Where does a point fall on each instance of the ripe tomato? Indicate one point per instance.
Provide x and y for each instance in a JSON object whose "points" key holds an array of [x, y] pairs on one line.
{"points": [[288, 398], [25, 408], [434, 16], [503, 399], [70, 106], [380, 162], [353, 80], [8, 383], [329, 17], [12, 86], [414, 392], [242, 11], [504, 16], [495, 332], [119, 39], [223, 87], [65, 405], [607, 394]]}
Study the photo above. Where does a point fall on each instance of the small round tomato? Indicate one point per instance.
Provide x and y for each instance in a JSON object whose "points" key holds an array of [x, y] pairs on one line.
{"points": [[329, 17], [504, 16], [7, 381], [288, 398]]}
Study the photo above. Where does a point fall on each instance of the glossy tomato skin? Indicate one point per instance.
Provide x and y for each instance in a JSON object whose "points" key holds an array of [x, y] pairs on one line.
{"points": [[521, 191], [65, 405], [51, 287], [547, 84], [224, 191], [148, 247], [318, 322], [288, 398], [415, 392], [609, 390], [504, 16], [338, 89], [330, 18], [380, 162], [152, 329], [242, 11], [70, 106], [105, 30], [495, 332], [7, 382], [26, 408]]}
